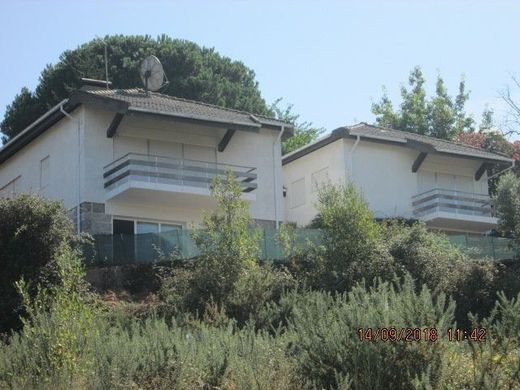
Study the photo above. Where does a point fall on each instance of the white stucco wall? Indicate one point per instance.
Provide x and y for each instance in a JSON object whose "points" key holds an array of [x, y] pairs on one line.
{"points": [[60, 143], [382, 172], [330, 158]]}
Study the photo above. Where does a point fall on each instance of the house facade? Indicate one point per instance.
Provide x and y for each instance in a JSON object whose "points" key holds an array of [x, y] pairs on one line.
{"points": [[400, 174], [131, 162]]}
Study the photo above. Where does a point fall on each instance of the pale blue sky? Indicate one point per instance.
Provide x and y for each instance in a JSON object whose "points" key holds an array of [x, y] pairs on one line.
{"points": [[330, 59]]}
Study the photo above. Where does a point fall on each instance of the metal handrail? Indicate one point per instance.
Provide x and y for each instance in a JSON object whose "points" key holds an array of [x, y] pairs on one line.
{"points": [[437, 198], [153, 168], [447, 190], [171, 158]]}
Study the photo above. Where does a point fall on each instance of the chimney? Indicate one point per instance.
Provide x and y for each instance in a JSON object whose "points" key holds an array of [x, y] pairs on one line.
{"points": [[94, 85]]}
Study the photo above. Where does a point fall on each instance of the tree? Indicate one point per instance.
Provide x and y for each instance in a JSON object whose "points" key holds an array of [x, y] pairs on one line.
{"points": [[488, 137], [194, 72], [507, 203], [441, 113], [227, 244], [439, 116], [32, 232], [414, 110], [352, 246], [19, 113], [513, 118], [304, 132]]}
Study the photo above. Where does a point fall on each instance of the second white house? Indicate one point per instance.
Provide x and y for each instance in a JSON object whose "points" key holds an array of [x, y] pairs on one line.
{"points": [[400, 174]]}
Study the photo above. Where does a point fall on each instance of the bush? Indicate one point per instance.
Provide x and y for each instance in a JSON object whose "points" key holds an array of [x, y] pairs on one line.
{"points": [[352, 248], [54, 342], [433, 261], [151, 355], [493, 363], [327, 346], [428, 257], [474, 287], [31, 233], [227, 245], [260, 285], [507, 205]]}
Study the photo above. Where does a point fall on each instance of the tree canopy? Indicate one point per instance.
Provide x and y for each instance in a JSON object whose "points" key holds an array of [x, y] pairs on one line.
{"points": [[194, 72], [438, 116], [304, 132]]}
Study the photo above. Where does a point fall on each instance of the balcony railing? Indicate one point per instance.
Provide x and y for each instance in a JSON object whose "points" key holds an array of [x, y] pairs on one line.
{"points": [[450, 201], [149, 169]]}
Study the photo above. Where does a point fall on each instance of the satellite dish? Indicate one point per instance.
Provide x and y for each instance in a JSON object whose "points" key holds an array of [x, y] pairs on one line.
{"points": [[152, 74]]}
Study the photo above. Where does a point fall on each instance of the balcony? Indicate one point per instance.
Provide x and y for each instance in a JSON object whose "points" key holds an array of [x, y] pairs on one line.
{"points": [[147, 178], [454, 210]]}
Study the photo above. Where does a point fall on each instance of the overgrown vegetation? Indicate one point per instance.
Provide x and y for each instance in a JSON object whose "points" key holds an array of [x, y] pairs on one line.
{"points": [[32, 230], [507, 203], [229, 322]]}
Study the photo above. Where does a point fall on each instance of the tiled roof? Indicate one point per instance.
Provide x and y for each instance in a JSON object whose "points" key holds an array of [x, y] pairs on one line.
{"points": [[139, 100], [412, 140], [439, 145]]}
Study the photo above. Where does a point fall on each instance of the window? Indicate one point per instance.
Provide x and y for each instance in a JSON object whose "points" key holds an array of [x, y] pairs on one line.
{"points": [[319, 178], [140, 239], [169, 228], [146, 227], [44, 172], [298, 192]]}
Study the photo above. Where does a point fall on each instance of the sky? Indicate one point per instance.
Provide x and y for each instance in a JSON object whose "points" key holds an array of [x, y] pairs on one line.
{"points": [[328, 59]]}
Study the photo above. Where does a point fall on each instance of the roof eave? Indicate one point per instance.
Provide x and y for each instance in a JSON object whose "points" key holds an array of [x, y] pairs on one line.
{"points": [[51, 117]]}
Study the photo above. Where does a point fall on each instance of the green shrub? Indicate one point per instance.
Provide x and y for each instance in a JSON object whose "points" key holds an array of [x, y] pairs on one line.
{"points": [[495, 362], [427, 256], [507, 205], [352, 248], [433, 261], [474, 287], [32, 230], [227, 245], [152, 355], [53, 345], [258, 286], [326, 342]]}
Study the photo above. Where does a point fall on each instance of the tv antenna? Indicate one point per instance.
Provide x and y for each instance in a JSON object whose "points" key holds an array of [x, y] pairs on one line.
{"points": [[152, 74]]}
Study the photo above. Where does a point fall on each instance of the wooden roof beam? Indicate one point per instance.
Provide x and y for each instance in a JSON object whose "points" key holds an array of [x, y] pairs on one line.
{"points": [[418, 161], [225, 140]]}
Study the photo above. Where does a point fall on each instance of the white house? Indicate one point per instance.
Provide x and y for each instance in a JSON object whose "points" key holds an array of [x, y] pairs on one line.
{"points": [[138, 162], [400, 174]]}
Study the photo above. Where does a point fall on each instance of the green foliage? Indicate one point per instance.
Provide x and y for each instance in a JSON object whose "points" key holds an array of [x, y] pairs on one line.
{"points": [[32, 232], [414, 109], [426, 256], [23, 108], [474, 286], [259, 286], [228, 246], [351, 247], [442, 113], [53, 344], [432, 261], [438, 116], [152, 355], [304, 132], [507, 205], [494, 363], [194, 72], [326, 341]]}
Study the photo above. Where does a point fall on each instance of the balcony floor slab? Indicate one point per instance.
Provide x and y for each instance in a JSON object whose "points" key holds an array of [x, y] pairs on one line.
{"points": [[459, 222]]}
